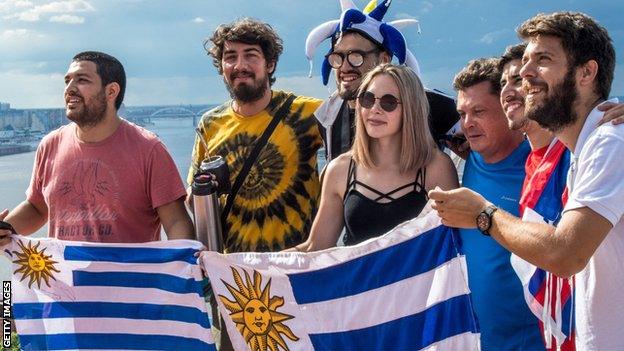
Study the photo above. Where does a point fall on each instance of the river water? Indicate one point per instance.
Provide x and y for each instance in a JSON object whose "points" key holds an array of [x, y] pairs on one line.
{"points": [[177, 134], [15, 170]]}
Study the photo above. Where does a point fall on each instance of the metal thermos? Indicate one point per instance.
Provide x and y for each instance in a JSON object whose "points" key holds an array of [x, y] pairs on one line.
{"points": [[206, 190]]}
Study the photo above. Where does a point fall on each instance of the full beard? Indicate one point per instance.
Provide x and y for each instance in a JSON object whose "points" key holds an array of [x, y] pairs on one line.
{"points": [[555, 112], [92, 113], [248, 93]]}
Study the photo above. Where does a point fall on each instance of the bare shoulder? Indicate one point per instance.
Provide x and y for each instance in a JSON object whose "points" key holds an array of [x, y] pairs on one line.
{"points": [[337, 171], [441, 172]]}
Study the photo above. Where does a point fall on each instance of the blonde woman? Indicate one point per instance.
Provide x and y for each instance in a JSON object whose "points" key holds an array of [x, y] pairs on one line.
{"points": [[384, 179]]}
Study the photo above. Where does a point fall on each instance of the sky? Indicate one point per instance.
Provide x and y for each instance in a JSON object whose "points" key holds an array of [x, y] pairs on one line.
{"points": [[160, 42]]}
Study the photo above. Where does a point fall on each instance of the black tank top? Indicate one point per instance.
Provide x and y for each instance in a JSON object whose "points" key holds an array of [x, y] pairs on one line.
{"points": [[367, 218]]}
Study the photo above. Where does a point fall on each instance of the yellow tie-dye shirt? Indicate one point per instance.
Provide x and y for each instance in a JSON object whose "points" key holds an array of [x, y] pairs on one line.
{"points": [[276, 204]]}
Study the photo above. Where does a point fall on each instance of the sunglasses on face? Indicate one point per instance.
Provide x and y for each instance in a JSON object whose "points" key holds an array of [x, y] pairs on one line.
{"points": [[387, 102], [354, 57]]}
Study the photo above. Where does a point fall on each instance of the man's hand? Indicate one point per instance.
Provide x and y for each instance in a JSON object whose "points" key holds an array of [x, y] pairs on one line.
{"points": [[458, 208], [614, 113], [5, 234]]}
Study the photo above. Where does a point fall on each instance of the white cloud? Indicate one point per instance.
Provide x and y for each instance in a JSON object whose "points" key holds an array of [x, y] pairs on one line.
{"points": [[18, 34], [426, 6], [491, 37], [12, 5], [62, 7], [69, 19], [198, 20]]}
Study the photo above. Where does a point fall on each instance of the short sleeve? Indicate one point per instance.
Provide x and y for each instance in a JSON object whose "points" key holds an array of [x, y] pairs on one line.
{"points": [[598, 182], [34, 193], [164, 181]]}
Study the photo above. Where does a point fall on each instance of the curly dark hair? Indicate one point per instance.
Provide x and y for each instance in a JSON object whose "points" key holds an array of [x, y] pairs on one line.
{"points": [[582, 38], [512, 52], [247, 31], [477, 71]]}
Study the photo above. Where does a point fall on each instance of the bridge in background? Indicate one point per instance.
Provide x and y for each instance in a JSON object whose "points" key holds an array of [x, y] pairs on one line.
{"points": [[145, 114]]}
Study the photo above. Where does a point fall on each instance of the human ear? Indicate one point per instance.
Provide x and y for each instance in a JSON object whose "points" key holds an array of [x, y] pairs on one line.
{"points": [[588, 72]]}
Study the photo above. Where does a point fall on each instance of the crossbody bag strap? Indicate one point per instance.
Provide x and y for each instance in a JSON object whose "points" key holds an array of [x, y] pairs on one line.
{"points": [[253, 155]]}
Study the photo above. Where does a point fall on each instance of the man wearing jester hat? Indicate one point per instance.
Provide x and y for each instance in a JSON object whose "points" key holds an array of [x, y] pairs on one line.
{"points": [[360, 41]]}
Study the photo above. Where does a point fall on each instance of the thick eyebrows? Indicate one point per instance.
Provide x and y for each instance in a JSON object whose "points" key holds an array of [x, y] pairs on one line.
{"points": [[69, 76]]}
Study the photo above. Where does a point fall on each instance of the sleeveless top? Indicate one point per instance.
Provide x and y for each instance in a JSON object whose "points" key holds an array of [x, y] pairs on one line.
{"points": [[367, 218]]}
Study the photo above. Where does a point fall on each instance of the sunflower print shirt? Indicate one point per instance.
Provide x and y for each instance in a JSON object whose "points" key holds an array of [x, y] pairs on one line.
{"points": [[276, 204]]}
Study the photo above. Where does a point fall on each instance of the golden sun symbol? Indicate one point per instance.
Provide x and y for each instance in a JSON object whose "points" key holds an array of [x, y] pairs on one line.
{"points": [[255, 313], [35, 264]]}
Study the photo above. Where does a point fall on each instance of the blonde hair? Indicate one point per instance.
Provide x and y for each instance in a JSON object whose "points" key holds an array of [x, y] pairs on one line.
{"points": [[417, 144]]}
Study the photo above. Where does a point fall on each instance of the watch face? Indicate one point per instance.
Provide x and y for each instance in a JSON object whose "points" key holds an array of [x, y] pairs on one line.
{"points": [[483, 221]]}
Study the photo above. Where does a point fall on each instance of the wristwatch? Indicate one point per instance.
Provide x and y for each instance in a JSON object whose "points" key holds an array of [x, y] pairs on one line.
{"points": [[484, 219]]}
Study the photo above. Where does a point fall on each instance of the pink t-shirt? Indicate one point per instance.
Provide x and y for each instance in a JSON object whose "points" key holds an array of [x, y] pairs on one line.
{"points": [[106, 191]]}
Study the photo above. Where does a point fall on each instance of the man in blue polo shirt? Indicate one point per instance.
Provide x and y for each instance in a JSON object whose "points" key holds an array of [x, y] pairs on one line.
{"points": [[494, 168]]}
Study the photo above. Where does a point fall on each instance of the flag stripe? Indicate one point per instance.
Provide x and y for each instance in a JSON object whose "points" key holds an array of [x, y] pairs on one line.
{"points": [[401, 333], [112, 341], [110, 310], [420, 254], [434, 286], [128, 254], [457, 342], [537, 280], [176, 268], [113, 326], [138, 280], [122, 295]]}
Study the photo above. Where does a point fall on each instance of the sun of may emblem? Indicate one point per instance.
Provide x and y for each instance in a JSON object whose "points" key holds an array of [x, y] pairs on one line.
{"points": [[255, 313], [35, 264]]}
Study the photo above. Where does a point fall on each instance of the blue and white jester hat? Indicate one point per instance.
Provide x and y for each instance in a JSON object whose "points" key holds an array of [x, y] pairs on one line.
{"points": [[370, 24]]}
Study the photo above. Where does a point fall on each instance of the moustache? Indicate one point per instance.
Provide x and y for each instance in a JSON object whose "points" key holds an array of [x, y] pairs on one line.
{"points": [[237, 74], [73, 94], [527, 84], [351, 72]]}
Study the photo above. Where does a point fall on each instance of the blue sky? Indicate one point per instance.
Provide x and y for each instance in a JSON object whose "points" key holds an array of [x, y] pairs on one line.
{"points": [[160, 41]]}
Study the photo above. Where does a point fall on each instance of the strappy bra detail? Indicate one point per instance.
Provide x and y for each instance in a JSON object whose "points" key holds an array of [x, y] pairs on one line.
{"points": [[369, 217], [352, 182]]}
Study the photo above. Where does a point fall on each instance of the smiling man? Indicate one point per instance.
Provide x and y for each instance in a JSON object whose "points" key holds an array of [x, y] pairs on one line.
{"points": [[360, 41], [495, 168], [567, 71], [101, 178], [278, 196], [274, 207]]}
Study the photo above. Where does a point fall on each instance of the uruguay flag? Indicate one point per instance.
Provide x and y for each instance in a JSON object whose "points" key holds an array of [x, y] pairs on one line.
{"points": [[549, 297], [406, 290], [74, 295]]}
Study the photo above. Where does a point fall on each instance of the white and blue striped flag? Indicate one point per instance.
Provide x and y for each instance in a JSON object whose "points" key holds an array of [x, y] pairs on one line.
{"points": [[406, 290], [74, 296]]}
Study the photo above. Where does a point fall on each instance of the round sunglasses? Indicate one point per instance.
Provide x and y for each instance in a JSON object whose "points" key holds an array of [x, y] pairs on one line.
{"points": [[354, 57], [387, 102]]}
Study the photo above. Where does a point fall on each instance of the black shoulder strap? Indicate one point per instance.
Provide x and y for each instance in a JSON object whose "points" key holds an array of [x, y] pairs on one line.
{"points": [[253, 155]]}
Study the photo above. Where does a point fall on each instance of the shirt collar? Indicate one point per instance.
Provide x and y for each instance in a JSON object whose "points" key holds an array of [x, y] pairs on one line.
{"points": [[591, 123]]}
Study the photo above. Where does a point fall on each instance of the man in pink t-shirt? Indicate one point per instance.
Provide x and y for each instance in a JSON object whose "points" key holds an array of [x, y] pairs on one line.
{"points": [[101, 178]]}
